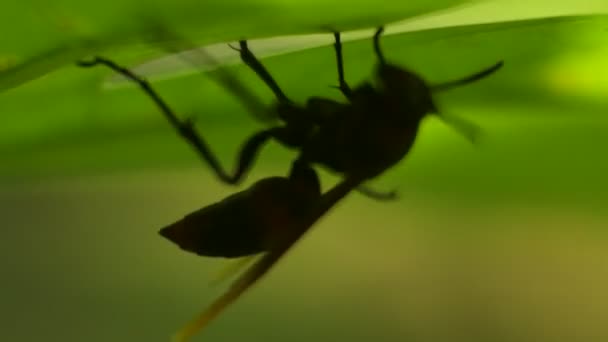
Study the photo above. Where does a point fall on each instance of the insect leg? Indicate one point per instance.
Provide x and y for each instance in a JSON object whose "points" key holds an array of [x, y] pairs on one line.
{"points": [[377, 45], [184, 128], [174, 43], [251, 148], [250, 60], [344, 88], [377, 195], [371, 193]]}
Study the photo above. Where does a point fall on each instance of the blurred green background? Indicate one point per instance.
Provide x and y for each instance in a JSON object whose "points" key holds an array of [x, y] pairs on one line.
{"points": [[500, 241]]}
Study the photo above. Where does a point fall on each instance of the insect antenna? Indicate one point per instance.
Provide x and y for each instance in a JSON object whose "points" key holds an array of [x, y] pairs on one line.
{"points": [[468, 129], [468, 79]]}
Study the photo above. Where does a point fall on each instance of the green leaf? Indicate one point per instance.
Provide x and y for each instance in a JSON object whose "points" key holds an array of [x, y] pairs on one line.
{"points": [[73, 29], [553, 80]]}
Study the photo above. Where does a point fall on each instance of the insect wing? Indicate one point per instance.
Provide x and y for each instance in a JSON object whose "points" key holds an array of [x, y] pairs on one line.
{"points": [[468, 129]]}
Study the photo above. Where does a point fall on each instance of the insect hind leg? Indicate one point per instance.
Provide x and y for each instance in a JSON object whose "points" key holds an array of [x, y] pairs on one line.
{"points": [[184, 128]]}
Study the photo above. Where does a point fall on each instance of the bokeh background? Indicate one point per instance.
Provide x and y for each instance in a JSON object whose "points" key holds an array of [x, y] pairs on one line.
{"points": [[504, 240]]}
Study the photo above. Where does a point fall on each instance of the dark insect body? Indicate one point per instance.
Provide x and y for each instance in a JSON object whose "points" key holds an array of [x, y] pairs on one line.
{"points": [[251, 221], [298, 122], [370, 133], [360, 139], [363, 137]]}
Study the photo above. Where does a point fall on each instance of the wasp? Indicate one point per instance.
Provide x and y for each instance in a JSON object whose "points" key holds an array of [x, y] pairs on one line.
{"points": [[361, 137]]}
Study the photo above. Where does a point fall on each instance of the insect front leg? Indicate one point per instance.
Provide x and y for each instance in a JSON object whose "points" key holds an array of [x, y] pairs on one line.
{"points": [[344, 88], [250, 60], [377, 49], [185, 128]]}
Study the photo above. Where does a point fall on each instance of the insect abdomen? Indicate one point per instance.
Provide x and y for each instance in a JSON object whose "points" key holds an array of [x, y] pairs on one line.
{"points": [[224, 229], [248, 222]]}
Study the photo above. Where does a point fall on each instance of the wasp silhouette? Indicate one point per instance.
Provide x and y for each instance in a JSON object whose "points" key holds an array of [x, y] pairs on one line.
{"points": [[362, 137]]}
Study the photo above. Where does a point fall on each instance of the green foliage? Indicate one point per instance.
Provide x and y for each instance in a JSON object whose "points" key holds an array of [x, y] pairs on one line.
{"points": [[451, 260], [55, 121]]}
